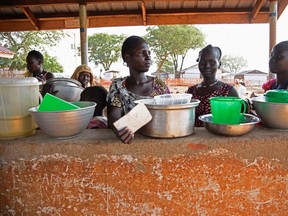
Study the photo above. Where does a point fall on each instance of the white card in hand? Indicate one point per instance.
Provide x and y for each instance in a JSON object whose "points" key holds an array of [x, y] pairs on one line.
{"points": [[135, 119]]}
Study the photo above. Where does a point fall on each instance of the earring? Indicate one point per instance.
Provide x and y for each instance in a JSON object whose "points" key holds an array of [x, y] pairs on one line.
{"points": [[125, 63]]}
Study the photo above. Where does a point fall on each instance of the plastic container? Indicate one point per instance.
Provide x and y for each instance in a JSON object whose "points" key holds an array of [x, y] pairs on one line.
{"points": [[170, 99], [17, 95], [53, 103], [227, 110], [277, 96]]}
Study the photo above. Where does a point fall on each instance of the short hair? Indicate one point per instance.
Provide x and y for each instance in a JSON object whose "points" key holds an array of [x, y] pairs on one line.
{"points": [[210, 47], [36, 54], [283, 44], [129, 44], [96, 94]]}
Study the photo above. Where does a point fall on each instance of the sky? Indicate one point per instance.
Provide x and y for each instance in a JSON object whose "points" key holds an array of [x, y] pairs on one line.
{"points": [[251, 41]]}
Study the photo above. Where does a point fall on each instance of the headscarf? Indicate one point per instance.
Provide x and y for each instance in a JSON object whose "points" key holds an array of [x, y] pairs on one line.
{"points": [[87, 69]]}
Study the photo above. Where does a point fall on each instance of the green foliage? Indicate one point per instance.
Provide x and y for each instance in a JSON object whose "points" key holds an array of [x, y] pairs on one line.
{"points": [[233, 63], [105, 49], [174, 42], [23, 42], [51, 64]]}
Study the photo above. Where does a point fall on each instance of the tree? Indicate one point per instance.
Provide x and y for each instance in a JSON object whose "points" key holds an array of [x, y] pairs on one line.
{"points": [[22, 42], [233, 63], [104, 49], [51, 64], [173, 43]]}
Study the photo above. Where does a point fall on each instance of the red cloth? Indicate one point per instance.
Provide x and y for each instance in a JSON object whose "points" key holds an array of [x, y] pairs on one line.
{"points": [[269, 84], [98, 122]]}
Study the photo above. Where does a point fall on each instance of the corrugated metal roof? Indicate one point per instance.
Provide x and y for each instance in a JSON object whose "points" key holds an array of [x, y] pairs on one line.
{"points": [[19, 15]]}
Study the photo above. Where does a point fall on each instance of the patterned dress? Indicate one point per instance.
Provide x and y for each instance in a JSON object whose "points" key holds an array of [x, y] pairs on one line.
{"points": [[119, 96], [204, 106]]}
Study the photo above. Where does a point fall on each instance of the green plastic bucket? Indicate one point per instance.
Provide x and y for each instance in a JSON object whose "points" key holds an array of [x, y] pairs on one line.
{"points": [[53, 103], [227, 110]]}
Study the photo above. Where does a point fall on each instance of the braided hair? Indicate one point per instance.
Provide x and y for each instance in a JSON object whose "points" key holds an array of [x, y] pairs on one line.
{"points": [[210, 47]]}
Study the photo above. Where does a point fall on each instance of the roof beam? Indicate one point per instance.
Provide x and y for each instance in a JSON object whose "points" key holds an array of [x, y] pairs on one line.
{"points": [[134, 20], [281, 7], [256, 10], [144, 15], [27, 3], [30, 16]]}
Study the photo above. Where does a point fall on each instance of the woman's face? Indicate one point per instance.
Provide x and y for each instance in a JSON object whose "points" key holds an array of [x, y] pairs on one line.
{"points": [[208, 63], [278, 62], [140, 59], [33, 64], [84, 78]]}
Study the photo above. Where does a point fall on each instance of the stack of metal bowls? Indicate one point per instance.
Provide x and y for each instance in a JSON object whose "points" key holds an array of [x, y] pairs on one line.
{"points": [[246, 125], [64, 124], [64, 88], [169, 121]]}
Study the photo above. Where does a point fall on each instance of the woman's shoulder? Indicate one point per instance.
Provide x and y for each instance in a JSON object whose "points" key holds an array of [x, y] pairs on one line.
{"points": [[192, 88]]}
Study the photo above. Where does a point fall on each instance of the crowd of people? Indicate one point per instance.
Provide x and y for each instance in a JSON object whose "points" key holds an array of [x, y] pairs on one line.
{"points": [[136, 55]]}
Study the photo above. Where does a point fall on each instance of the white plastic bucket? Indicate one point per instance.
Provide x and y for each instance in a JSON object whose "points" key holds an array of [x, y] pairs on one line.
{"points": [[17, 95]]}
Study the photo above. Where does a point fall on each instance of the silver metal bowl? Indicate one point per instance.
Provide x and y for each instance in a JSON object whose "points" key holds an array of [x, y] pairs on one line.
{"points": [[247, 124], [273, 115], [64, 124], [169, 121], [67, 89]]}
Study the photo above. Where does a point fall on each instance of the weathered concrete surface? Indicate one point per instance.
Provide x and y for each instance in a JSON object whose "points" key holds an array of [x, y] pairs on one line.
{"points": [[94, 174]]}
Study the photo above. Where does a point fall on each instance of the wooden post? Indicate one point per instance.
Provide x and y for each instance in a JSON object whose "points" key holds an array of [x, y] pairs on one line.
{"points": [[83, 33], [272, 28]]}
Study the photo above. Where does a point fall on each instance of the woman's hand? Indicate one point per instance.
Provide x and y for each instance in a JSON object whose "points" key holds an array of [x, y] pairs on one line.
{"points": [[125, 135]]}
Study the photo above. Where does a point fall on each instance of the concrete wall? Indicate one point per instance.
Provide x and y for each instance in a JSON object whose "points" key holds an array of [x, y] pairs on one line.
{"points": [[94, 174]]}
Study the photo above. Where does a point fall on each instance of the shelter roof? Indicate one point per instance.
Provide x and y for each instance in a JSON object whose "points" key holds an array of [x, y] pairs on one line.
{"points": [[19, 15], [251, 72], [6, 53]]}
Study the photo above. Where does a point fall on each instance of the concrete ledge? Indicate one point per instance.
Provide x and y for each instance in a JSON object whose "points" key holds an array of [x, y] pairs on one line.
{"points": [[95, 174]]}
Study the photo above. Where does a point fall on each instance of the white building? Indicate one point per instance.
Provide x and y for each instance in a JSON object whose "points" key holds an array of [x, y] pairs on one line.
{"points": [[194, 73], [253, 77]]}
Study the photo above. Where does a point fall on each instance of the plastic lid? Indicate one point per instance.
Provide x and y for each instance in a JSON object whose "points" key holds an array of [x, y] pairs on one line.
{"points": [[53, 103], [20, 81], [280, 93]]}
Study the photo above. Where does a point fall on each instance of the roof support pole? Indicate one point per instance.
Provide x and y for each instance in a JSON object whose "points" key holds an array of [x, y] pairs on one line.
{"points": [[272, 28], [83, 34]]}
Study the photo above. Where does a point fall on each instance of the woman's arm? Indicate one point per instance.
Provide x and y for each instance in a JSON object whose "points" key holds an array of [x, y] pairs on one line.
{"points": [[113, 114]]}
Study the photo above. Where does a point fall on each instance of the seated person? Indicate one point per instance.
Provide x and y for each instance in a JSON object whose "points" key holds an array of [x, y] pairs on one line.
{"points": [[209, 61], [124, 91], [35, 62], [278, 64], [98, 95], [84, 75]]}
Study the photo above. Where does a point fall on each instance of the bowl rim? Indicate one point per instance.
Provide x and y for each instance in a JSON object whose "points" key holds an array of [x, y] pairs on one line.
{"points": [[257, 120], [92, 104]]}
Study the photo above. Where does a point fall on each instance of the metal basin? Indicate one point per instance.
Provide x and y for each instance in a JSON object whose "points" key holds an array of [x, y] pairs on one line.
{"points": [[64, 124], [273, 115], [170, 121], [67, 89], [247, 124]]}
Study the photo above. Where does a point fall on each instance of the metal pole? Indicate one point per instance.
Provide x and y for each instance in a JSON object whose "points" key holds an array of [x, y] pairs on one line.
{"points": [[83, 34], [272, 29]]}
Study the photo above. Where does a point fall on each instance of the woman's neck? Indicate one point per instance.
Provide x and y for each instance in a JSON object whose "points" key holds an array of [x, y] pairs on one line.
{"points": [[138, 78], [282, 77], [209, 81]]}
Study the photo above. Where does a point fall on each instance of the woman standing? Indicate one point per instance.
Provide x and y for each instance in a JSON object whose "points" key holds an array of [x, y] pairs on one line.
{"points": [[209, 61], [124, 91]]}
